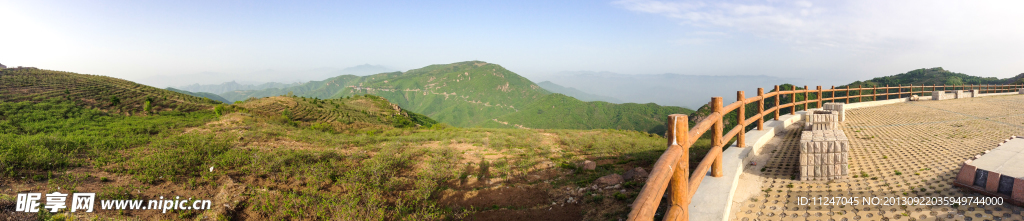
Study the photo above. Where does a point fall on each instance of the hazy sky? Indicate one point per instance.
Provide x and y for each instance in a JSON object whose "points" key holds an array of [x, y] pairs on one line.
{"points": [[835, 41]]}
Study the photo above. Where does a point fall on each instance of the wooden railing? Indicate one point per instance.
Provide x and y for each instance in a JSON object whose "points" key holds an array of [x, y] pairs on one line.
{"points": [[671, 171]]}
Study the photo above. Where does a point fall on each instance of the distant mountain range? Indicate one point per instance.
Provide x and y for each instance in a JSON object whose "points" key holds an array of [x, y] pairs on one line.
{"points": [[578, 94], [260, 77], [233, 86], [209, 95], [480, 94], [665, 89], [365, 69]]}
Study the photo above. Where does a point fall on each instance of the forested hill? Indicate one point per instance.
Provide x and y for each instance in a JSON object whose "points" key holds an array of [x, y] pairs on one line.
{"points": [[936, 76], [111, 95], [480, 94]]}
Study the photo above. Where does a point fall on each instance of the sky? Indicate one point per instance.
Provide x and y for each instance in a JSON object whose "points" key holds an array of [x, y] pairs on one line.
{"points": [[833, 42]]}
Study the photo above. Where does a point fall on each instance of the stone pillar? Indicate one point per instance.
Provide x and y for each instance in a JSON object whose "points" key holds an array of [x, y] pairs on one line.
{"points": [[824, 155], [959, 94], [840, 108], [975, 93], [821, 120], [942, 95]]}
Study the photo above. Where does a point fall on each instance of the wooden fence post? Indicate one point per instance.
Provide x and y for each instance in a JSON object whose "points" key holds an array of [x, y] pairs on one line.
{"points": [[845, 99], [778, 96], [792, 109], [807, 99], [679, 183], [741, 118], [833, 94], [860, 89], [716, 137], [760, 108], [819, 97]]}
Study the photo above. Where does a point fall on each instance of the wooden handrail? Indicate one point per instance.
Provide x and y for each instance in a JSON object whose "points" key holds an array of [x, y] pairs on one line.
{"points": [[647, 202], [732, 106], [702, 168]]}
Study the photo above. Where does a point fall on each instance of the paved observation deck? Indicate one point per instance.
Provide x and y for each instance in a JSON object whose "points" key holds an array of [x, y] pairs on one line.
{"points": [[906, 149]]}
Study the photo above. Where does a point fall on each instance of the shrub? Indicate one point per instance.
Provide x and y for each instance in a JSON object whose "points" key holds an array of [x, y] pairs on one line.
{"points": [[218, 110], [324, 127], [114, 101]]}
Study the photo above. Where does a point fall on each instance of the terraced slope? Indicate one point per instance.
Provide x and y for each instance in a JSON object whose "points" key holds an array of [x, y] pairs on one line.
{"points": [[345, 114], [110, 94], [319, 89]]}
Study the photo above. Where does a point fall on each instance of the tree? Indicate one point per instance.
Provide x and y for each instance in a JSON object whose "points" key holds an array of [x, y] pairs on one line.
{"points": [[953, 81], [114, 101]]}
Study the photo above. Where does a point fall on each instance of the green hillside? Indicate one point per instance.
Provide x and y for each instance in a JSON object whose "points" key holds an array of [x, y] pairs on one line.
{"points": [[460, 94], [108, 94], [476, 93], [211, 96], [935, 76]]}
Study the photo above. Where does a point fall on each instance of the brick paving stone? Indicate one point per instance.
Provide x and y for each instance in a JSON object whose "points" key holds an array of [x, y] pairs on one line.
{"points": [[925, 141]]}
